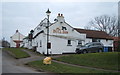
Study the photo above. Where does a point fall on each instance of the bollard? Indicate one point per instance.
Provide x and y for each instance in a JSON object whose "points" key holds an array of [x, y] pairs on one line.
{"points": [[47, 60]]}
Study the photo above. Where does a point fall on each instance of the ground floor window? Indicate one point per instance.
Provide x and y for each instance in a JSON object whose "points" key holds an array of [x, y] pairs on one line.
{"points": [[79, 43], [69, 43], [40, 43], [95, 40]]}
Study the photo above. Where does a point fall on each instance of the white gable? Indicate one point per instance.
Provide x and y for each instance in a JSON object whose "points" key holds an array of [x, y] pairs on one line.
{"points": [[40, 27], [18, 36], [63, 30]]}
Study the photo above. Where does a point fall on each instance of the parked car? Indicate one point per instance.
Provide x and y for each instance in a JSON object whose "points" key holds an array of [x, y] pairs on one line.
{"points": [[90, 48]]}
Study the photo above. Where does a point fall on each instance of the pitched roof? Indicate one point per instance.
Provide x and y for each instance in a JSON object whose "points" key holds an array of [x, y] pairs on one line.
{"points": [[94, 33], [116, 38]]}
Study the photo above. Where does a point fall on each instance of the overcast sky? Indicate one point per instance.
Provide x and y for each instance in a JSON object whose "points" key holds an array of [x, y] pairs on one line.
{"points": [[25, 16]]}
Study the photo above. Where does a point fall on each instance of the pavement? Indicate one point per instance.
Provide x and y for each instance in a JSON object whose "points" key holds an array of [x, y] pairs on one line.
{"points": [[33, 57], [12, 65]]}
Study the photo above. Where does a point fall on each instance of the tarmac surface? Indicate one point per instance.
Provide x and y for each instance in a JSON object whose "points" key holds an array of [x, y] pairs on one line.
{"points": [[12, 65], [0, 60]]}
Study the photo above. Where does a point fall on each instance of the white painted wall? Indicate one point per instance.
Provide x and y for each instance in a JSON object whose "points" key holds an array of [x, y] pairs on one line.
{"points": [[12, 43], [42, 44], [107, 42], [87, 40], [60, 45], [25, 43]]}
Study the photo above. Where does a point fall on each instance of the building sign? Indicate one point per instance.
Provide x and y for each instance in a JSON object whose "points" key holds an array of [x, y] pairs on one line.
{"points": [[62, 30]]}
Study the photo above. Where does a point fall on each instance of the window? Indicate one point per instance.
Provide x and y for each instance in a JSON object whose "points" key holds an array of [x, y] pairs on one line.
{"points": [[37, 44], [49, 45], [40, 43], [106, 40], [69, 43], [79, 43], [95, 40]]}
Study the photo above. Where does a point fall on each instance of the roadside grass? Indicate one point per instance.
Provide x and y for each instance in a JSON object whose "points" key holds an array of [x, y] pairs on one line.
{"points": [[17, 52], [107, 60], [61, 68]]}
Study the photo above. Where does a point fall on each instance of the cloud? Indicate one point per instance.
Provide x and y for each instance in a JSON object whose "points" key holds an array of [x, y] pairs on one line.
{"points": [[53, 1], [25, 16]]}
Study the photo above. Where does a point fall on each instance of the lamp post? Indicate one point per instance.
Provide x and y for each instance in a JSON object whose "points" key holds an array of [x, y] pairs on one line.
{"points": [[48, 14]]}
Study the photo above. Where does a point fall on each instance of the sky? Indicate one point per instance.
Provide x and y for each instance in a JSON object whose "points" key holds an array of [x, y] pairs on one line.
{"points": [[26, 15]]}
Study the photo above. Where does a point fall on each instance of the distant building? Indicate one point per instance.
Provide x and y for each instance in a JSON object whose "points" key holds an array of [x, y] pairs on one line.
{"points": [[16, 40]]}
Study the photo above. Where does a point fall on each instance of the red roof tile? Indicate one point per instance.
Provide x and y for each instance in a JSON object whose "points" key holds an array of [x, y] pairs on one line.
{"points": [[94, 33], [116, 38]]}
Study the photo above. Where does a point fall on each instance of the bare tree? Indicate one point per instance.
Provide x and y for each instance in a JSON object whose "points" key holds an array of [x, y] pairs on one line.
{"points": [[106, 23]]}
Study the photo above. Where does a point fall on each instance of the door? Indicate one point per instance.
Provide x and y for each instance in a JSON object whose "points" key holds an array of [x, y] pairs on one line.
{"points": [[17, 45]]}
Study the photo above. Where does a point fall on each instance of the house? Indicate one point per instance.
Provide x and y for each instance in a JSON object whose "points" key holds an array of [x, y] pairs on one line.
{"points": [[16, 40], [97, 36], [63, 38]]}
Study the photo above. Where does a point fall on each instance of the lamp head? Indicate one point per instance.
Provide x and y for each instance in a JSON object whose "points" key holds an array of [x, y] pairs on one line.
{"points": [[48, 12]]}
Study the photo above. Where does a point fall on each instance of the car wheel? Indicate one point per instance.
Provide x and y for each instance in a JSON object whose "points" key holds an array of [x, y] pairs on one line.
{"points": [[84, 52], [100, 50], [77, 51]]}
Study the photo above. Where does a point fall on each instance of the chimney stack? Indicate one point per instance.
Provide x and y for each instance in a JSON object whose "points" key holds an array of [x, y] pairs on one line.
{"points": [[16, 31], [60, 18]]}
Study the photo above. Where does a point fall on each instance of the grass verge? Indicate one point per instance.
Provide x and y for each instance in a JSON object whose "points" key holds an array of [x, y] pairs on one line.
{"points": [[61, 68], [17, 52], [37, 53], [108, 60]]}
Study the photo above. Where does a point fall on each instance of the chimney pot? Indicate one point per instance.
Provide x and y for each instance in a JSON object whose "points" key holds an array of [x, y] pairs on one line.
{"points": [[61, 14], [58, 14], [16, 31]]}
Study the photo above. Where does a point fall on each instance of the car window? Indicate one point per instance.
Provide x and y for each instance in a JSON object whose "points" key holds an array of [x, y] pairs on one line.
{"points": [[87, 44], [98, 44]]}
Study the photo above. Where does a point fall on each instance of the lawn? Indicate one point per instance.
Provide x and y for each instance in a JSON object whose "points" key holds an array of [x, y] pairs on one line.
{"points": [[17, 52], [108, 60], [61, 68]]}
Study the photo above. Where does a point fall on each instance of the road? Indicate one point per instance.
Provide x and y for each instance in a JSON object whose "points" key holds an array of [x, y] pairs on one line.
{"points": [[0, 61], [11, 65]]}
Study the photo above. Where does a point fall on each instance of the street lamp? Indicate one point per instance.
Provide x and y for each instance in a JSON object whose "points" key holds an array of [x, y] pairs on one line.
{"points": [[48, 14]]}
